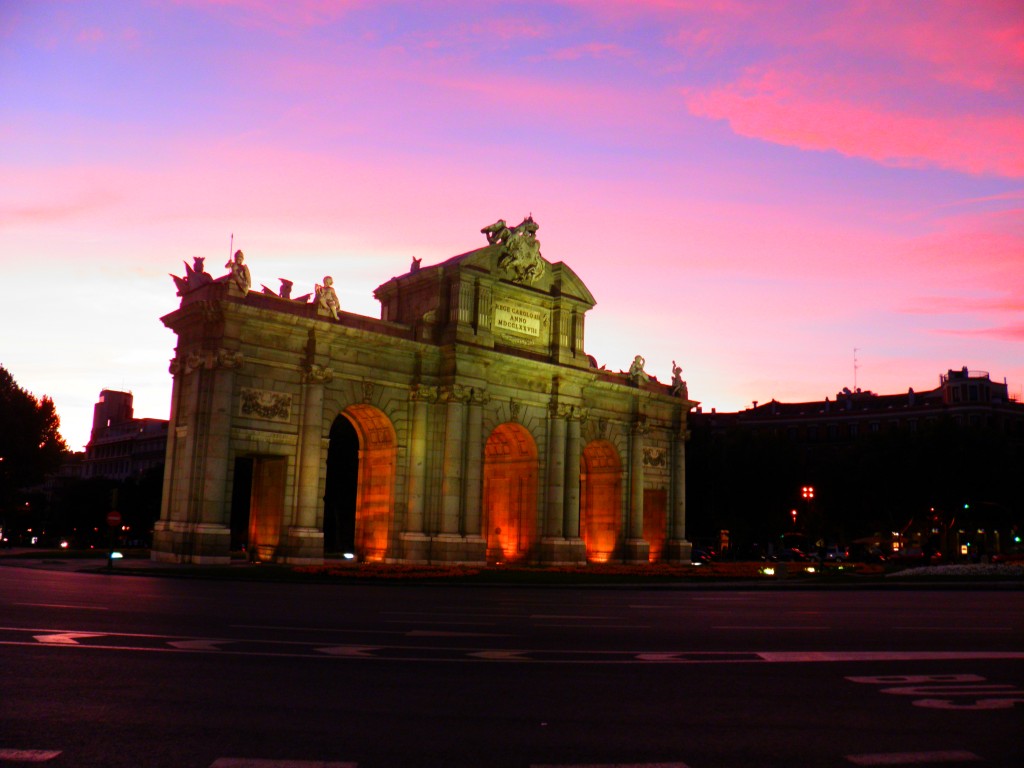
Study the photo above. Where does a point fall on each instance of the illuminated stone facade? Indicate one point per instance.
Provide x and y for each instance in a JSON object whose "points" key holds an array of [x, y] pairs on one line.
{"points": [[467, 425]]}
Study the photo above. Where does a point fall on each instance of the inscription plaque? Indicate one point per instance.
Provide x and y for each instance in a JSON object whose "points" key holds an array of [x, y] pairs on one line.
{"points": [[515, 318]]}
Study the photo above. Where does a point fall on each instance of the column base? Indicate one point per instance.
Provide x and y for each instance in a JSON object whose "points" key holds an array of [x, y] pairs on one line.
{"points": [[678, 550], [560, 551], [636, 551], [413, 548], [302, 546], [453, 549], [196, 543]]}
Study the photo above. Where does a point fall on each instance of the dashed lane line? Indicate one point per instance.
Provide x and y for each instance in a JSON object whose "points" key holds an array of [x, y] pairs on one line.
{"points": [[241, 646], [250, 762], [28, 755], [915, 758]]}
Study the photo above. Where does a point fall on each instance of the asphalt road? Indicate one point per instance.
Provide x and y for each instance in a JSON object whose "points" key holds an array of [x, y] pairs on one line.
{"points": [[114, 670]]}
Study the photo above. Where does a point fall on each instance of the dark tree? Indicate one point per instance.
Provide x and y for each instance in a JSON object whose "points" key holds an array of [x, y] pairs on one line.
{"points": [[30, 441]]}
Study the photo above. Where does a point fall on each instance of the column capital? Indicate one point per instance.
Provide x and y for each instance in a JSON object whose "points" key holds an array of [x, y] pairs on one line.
{"points": [[640, 426], [317, 374], [423, 393], [455, 393], [208, 359], [567, 411]]}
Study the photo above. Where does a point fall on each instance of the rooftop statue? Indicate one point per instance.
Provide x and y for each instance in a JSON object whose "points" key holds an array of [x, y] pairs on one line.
{"points": [[678, 385], [195, 276], [520, 249], [327, 298], [636, 374], [286, 292], [239, 274]]}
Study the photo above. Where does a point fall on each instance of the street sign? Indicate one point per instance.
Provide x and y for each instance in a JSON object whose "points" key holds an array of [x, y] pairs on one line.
{"points": [[113, 519]]}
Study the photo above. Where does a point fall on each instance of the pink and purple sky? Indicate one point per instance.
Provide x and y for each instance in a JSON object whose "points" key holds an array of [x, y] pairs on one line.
{"points": [[754, 189]]}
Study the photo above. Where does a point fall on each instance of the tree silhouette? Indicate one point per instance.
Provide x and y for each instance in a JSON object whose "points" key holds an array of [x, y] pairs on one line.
{"points": [[30, 441]]}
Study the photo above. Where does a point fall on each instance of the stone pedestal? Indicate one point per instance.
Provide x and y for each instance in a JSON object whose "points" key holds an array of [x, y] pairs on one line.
{"points": [[197, 543], [453, 549], [559, 551], [678, 550], [636, 551], [302, 546], [413, 548]]}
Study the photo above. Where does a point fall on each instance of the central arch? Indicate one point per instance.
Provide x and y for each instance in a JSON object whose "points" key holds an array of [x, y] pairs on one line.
{"points": [[510, 493], [360, 487], [600, 500]]}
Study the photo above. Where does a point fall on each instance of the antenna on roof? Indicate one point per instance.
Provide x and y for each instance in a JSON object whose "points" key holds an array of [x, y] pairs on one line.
{"points": [[855, 367], [231, 247]]}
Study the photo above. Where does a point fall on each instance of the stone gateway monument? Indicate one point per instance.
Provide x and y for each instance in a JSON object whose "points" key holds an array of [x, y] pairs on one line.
{"points": [[466, 425]]}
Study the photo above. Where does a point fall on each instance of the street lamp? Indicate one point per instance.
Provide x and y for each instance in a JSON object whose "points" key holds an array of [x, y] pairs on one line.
{"points": [[807, 492]]}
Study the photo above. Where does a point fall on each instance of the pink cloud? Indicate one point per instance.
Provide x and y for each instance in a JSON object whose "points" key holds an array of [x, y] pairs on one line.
{"points": [[270, 13], [790, 108], [1000, 333], [589, 50]]}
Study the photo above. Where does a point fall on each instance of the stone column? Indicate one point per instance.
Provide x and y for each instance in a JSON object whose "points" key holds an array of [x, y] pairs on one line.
{"points": [[556, 472], [419, 396], [163, 547], [197, 526], [678, 547], [310, 445], [415, 543], [636, 547], [571, 524], [452, 477], [303, 541], [473, 487]]}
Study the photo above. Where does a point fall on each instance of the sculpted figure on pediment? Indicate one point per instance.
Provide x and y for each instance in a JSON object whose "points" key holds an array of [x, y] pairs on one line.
{"points": [[327, 298], [636, 374], [196, 276], [239, 272], [520, 249]]}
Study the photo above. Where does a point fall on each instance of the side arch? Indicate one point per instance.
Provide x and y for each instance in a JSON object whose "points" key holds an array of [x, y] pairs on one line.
{"points": [[510, 494], [359, 492], [600, 500]]}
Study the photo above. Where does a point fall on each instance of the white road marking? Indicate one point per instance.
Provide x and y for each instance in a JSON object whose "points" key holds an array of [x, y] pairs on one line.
{"points": [[347, 650], [771, 628], [442, 633], [787, 657], [500, 655], [28, 755], [252, 762], [337, 630], [60, 605], [913, 758], [198, 645], [66, 638], [445, 622], [614, 765]]}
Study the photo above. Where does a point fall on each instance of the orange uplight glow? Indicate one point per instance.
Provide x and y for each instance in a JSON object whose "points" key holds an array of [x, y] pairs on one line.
{"points": [[377, 448], [600, 492], [510, 493]]}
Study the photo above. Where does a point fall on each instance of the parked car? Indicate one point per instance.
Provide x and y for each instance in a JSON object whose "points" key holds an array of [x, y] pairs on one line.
{"points": [[791, 556], [1013, 554], [915, 556], [863, 553]]}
